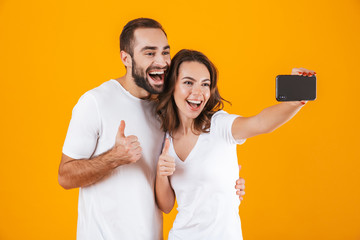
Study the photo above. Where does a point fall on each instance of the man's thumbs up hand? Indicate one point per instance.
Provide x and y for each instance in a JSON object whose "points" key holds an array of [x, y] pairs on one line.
{"points": [[126, 149], [166, 163]]}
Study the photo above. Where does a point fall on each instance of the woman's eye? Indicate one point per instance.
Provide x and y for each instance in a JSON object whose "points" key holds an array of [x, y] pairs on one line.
{"points": [[188, 83], [206, 84]]}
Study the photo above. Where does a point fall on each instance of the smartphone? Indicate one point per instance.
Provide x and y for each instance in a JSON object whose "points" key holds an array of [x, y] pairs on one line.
{"points": [[295, 88]]}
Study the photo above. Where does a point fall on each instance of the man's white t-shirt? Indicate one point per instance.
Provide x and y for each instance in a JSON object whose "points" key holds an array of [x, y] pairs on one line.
{"points": [[121, 205], [204, 185]]}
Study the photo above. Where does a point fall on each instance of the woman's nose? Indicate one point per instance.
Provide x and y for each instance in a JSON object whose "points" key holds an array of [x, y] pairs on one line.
{"points": [[196, 89]]}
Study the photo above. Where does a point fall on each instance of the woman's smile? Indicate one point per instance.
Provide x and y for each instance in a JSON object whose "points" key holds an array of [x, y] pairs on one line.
{"points": [[192, 89]]}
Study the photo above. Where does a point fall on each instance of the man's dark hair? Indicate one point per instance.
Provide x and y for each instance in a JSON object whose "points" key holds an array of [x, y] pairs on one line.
{"points": [[127, 34]]}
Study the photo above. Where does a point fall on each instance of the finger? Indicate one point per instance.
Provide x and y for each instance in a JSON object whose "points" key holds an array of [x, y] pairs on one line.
{"points": [[166, 146], [240, 181], [135, 151], [167, 158], [167, 169], [297, 71], [167, 172], [167, 165], [311, 73], [132, 139], [121, 130], [302, 71], [240, 186], [240, 193], [166, 161], [134, 145]]}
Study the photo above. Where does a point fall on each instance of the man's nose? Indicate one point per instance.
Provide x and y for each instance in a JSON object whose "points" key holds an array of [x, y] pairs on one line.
{"points": [[161, 61]]}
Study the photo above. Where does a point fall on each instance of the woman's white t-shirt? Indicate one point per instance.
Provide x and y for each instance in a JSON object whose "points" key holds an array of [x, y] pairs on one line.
{"points": [[204, 185]]}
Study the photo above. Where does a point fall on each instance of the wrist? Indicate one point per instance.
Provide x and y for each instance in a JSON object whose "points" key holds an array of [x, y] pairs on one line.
{"points": [[113, 158], [161, 177]]}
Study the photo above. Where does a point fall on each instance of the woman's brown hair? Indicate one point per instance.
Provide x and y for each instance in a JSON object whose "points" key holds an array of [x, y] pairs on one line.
{"points": [[167, 109]]}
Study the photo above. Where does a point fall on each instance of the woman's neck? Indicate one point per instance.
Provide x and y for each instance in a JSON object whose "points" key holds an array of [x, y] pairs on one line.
{"points": [[186, 126]]}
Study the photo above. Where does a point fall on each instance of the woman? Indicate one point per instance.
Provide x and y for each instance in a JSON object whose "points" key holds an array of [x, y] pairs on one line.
{"points": [[202, 144]]}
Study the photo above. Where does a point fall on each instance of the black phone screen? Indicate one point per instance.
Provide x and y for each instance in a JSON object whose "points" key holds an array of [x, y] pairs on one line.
{"points": [[295, 88]]}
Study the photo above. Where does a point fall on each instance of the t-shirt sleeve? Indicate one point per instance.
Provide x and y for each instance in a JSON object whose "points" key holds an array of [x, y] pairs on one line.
{"points": [[84, 128], [221, 124]]}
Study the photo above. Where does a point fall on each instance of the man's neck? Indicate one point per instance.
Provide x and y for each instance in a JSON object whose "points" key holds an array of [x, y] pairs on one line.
{"points": [[128, 83]]}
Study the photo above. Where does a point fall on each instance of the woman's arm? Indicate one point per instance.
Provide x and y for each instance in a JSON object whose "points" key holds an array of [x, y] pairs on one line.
{"points": [[270, 118], [165, 196]]}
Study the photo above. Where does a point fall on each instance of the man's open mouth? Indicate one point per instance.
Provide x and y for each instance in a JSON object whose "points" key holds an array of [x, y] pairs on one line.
{"points": [[157, 76]]}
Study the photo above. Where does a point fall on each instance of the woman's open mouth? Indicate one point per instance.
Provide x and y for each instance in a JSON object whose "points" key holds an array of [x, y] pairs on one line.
{"points": [[194, 104]]}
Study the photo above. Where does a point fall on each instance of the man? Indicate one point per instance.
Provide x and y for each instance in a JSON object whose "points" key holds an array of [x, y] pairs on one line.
{"points": [[116, 198]]}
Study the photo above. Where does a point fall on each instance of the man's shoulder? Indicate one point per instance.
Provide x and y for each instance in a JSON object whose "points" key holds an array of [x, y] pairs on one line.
{"points": [[104, 89]]}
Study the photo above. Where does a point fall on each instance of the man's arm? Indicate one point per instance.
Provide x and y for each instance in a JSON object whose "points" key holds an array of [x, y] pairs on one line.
{"points": [[75, 173]]}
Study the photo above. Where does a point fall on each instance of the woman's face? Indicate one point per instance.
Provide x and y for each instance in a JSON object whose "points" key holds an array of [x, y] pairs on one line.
{"points": [[192, 89]]}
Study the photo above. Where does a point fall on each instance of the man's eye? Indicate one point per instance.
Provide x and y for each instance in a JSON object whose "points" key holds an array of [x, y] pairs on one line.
{"points": [[166, 53], [150, 54]]}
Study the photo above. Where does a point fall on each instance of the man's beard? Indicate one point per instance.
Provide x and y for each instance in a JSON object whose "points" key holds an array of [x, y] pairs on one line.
{"points": [[142, 81]]}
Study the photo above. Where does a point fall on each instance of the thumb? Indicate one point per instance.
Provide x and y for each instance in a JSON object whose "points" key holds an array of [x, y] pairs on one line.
{"points": [[121, 133], [166, 146]]}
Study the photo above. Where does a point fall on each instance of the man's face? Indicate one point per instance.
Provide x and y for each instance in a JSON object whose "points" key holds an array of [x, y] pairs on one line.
{"points": [[151, 59]]}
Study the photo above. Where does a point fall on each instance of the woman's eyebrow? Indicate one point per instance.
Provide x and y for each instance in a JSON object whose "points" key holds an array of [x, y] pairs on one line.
{"points": [[191, 78]]}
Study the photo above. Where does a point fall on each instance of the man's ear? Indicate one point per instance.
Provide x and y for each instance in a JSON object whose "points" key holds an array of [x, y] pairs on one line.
{"points": [[126, 59]]}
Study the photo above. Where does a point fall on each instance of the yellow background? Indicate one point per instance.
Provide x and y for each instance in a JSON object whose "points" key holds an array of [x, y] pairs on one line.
{"points": [[302, 181]]}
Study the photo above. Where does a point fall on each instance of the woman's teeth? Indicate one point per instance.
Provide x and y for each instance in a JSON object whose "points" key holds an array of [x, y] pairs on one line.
{"points": [[194, 104]]}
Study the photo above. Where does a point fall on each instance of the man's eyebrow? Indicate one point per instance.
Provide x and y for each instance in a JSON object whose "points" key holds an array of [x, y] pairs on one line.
{"points": [[153, 48], [148, 48]]}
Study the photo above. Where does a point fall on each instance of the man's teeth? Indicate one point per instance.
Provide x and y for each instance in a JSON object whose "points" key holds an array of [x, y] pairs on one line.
{"points": [[157, 73]]}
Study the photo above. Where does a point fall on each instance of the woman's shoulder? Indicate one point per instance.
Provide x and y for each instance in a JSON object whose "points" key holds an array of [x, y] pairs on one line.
{"points": [[220, 114], [222, 120]]}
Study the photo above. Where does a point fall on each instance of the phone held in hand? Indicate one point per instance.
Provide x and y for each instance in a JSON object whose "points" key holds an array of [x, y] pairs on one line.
{"points": [[295, 88]]}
